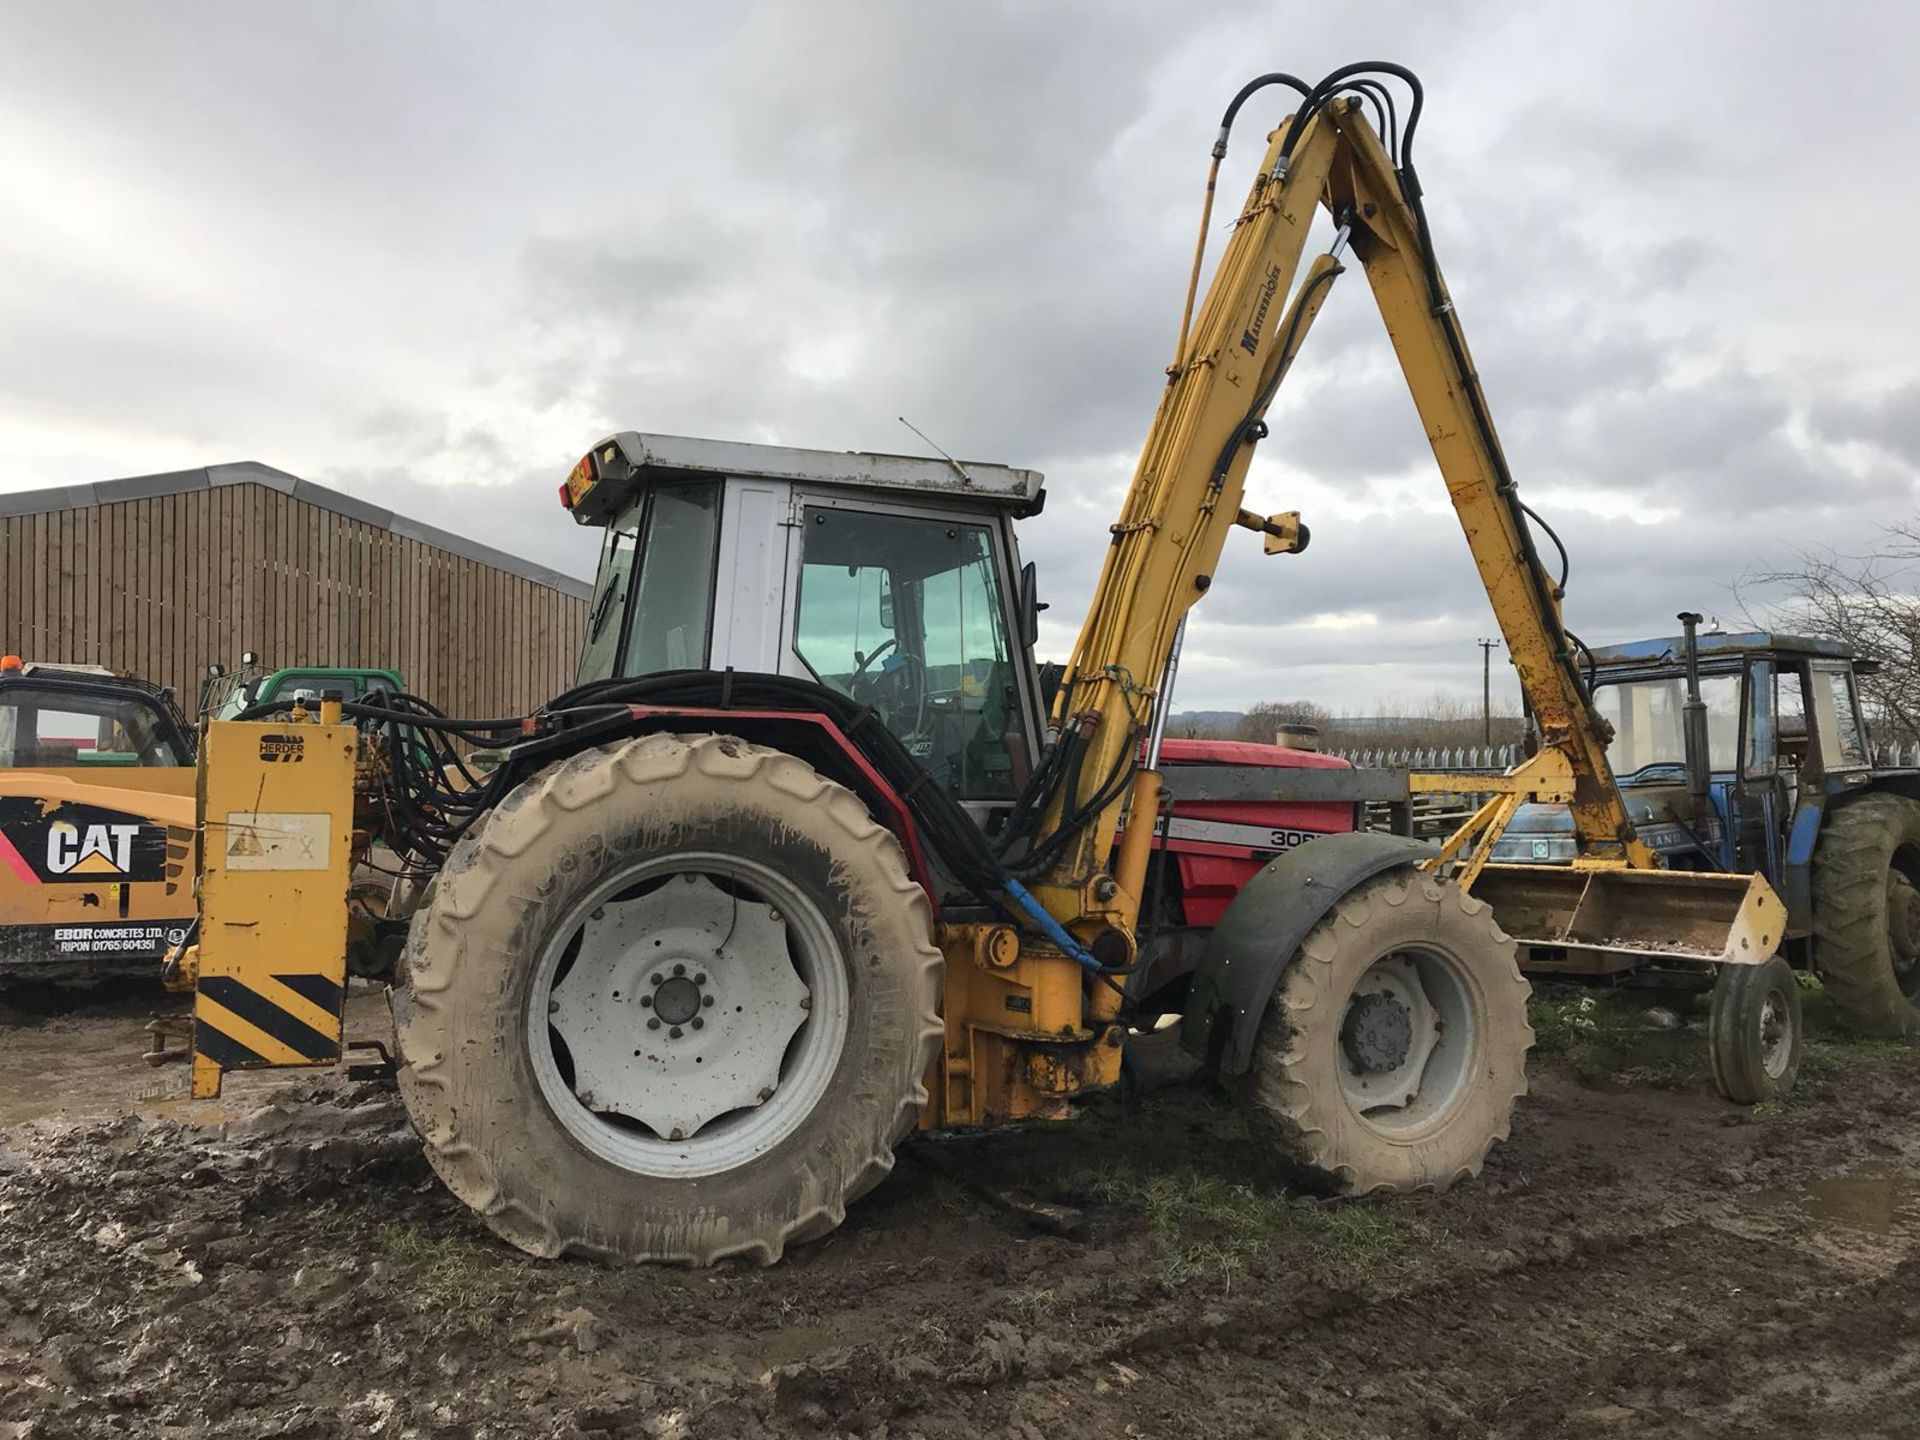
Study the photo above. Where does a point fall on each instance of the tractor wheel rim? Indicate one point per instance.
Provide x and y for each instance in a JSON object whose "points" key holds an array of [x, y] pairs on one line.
{"points": [[1406, 1040], [688, 1014], [1776, 1035], [1903, 929]]}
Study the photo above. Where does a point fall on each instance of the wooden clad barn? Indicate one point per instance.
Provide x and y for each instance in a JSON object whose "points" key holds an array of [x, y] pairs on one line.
{"points": [[162, 575]]}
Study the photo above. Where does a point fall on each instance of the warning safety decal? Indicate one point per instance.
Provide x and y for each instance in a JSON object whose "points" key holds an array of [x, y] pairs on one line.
{"points": [[273, 840]]}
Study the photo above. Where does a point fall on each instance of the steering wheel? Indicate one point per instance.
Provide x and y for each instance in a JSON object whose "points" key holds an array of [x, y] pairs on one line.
{"points": [[890, 643], [900, 693]]}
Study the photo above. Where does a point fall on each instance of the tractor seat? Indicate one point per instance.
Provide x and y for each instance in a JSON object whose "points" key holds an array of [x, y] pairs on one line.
{"points": [[1793, 740]]}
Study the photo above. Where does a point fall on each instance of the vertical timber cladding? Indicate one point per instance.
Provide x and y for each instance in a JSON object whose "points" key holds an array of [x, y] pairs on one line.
{"points": [[166, 574]]}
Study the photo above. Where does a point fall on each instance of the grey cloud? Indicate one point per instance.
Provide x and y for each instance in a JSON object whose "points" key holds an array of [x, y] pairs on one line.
{"points": [[1889, 421], [430, 253]]}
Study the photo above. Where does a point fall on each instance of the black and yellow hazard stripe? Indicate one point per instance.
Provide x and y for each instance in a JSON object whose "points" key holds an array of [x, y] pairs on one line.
{"points": [[280, 1020]]}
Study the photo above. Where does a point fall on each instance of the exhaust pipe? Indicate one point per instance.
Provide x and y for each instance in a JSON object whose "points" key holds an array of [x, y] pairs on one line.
{"points": [[1693, 719]]}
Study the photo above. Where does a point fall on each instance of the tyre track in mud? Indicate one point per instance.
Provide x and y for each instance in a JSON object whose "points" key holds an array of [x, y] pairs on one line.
{"points": [[1633, 1259], [1627, 1332]]}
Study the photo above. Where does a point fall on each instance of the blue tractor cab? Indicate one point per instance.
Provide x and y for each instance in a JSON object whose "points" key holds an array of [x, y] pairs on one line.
{"points": [[1749, 752]]}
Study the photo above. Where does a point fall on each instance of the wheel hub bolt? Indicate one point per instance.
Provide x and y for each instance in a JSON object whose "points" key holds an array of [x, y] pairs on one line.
{"points": [[698, 1023], [653, 1023], [679, 969], [705, 1001], [674, 1033], [646, 1002], [655, 978]]}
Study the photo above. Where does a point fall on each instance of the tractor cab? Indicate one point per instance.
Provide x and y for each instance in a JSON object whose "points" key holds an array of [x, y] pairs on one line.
{"points": [[1782, 730], [892, 579]]}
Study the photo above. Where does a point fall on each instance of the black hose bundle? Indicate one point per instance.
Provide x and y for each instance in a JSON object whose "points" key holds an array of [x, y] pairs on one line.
{"points": [[435, 787]]}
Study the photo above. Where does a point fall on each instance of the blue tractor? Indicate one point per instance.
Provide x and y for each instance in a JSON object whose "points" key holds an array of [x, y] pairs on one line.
{"points": [[1748, 752]]}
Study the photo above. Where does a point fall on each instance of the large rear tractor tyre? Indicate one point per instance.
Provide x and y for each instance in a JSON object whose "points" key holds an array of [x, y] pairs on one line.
{"points": [[1754, 1032], [1866, 914], [673, 999], [1396, 1043]]}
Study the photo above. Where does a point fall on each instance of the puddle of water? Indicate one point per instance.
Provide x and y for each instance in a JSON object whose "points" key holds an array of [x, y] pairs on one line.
{"points": [[1872, 1199]]}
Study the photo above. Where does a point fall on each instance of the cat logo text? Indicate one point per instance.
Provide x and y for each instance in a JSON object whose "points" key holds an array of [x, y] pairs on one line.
{"points": [[95, 849]]}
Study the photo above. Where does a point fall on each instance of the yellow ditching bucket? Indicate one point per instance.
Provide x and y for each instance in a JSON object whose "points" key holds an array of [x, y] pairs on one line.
{"points": [[1634, 914]]}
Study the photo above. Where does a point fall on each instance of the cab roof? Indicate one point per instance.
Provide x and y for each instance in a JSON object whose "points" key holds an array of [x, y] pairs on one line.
{"points": [[1672, 650], [42, 667], [95, 679], [619, 466]]}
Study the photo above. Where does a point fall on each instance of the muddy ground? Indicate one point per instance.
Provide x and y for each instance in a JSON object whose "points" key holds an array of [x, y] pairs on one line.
{"points": [[1641, 1257]]}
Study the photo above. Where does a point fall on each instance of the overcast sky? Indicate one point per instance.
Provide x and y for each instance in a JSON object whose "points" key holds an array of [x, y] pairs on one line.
{"points": [[428, 253]]}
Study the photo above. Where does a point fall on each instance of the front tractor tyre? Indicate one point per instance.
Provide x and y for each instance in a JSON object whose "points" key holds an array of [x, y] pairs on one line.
{"points": [[1754, 1031], [1866, 914], [1396, 1043], [673, 999]]}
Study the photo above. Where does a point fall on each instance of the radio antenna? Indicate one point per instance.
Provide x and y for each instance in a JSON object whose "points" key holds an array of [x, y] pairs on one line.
{"points": [[958, 469]]}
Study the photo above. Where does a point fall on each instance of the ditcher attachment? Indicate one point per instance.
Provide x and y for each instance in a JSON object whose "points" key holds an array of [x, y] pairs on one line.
{"points": [[276, 862], [1635, 914]]}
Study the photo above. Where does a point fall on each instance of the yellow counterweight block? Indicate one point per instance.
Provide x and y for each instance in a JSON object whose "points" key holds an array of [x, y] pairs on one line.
{"points": [[276, 838]]}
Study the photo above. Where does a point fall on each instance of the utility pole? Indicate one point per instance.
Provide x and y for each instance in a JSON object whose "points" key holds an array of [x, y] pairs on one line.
{"points": [[1486, 689]]}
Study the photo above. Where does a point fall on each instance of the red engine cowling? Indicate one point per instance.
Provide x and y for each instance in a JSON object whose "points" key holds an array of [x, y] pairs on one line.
{"points": [[1220, 845]]}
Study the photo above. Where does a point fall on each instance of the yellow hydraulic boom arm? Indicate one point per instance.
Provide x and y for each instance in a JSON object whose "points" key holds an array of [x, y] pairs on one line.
{"points": [[1188, 486]]}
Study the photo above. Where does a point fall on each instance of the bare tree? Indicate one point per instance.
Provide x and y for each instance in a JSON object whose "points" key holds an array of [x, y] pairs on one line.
{"points": [[1870, 602], [1263, 721]]}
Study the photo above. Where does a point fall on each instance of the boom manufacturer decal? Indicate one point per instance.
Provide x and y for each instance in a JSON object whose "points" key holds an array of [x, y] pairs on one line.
{"points": [[282, 748], [78, 844], [1250, 337]]}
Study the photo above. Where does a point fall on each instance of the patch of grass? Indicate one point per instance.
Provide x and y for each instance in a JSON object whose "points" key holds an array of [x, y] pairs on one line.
{"points": [[1830, 1055], [1033, 1305], [333, 1222], [1213, 1229], [952, 1198], [1832, 1050], [464, 1285], [1604, 1035]]}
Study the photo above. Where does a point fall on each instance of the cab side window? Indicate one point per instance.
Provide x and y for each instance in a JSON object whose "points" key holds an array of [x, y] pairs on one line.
{"points": [[60, 730], [1842, 744], [1790, 708]]}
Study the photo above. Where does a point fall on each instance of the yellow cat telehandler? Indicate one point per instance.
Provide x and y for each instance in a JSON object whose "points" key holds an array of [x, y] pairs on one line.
{"points": [[800, 864], [96, 823]]}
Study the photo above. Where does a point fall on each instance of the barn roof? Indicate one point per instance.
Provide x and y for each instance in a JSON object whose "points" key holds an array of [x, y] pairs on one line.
{"points": [[250, 472]]}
